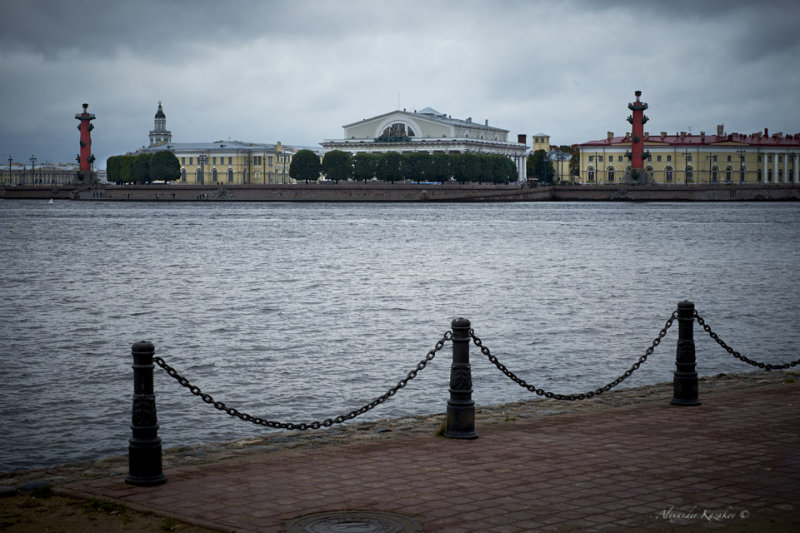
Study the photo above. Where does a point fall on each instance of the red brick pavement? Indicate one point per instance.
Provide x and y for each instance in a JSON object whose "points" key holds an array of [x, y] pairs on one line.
{"points": [[732, 463]]}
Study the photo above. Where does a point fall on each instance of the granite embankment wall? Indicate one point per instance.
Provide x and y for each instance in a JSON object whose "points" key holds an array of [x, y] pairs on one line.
{"points": [[382, 192]]}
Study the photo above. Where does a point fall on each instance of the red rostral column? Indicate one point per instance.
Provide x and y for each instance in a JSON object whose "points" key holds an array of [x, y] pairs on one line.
{"points": [[637, 138], [85, 158]]}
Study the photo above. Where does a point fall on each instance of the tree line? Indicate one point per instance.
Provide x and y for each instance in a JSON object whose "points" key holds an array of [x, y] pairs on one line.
{"points": [[338, 166], [143, 168]]}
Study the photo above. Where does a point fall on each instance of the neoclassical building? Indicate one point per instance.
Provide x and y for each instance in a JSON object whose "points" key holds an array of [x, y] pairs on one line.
{"points": [[223, 162], [428, 131], [683, 158]]}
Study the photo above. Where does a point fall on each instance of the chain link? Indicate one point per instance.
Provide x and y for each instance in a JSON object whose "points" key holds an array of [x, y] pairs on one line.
{"points": [[736, 354], [582, 396], [312, 425]]}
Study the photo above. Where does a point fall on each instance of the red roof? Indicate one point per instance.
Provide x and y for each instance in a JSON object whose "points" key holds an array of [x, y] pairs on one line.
{"points": [[753, 139]]}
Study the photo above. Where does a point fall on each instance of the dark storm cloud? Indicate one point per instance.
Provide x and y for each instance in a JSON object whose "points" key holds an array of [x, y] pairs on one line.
{"points": [[295, 71], [101, 28]]}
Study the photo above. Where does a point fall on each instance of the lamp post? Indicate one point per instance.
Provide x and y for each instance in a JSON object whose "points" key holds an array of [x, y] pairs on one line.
{"points": [[686, 166], [741, 164], [33, 169]]}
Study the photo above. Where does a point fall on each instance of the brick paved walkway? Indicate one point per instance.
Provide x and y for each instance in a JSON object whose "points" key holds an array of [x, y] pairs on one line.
{"points": [[732, 463]]}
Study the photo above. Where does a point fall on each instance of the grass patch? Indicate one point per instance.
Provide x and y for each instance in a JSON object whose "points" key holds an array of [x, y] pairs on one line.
{"points": [[96, 505]]}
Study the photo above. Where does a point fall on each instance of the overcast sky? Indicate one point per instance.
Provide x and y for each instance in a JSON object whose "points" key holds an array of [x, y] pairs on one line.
{"points": [[296, 71]]}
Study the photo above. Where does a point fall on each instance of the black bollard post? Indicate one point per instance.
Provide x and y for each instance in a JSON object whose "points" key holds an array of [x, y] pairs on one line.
{"points": [[460, 407], [685, 381], [144, 452]]}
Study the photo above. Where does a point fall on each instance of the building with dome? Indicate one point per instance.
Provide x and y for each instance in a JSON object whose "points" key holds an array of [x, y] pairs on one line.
{"points": [[428, 131], [223, 162], [159, 134]]}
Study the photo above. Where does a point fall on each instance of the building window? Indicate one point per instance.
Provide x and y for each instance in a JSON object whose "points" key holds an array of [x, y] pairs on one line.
{"points": [[230, 175], [591, 159], [591, 174], [714, 175], [729, 159], [183, 175], [689, 157], [689, 174], [213, 160], [759, 177], [741, 175], [668, 174], [183, 161], [729, 175], [191, 161], [669, 159], [600, 159], [658, 158], [714, 158], [610, 173], [214, 175]]}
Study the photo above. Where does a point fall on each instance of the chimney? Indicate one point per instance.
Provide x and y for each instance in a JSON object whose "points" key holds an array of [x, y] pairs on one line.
{"points": [[469, 119], [766, 132], [663, 134], [487, 122], [702, 136], [522, 139], [610, 135], [720, 130]]}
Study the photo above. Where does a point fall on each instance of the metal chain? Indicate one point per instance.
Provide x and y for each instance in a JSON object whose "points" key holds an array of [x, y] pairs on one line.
{"points": [[312, 425], [583, 396], [736, 354]]}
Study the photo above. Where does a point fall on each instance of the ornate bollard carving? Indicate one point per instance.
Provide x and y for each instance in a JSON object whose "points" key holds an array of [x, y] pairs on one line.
{"points": [[144, 452], [460, 407], [685, 383]]}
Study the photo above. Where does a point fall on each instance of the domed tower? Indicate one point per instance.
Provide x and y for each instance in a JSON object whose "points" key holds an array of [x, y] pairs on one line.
{"points": [[160, 134]]}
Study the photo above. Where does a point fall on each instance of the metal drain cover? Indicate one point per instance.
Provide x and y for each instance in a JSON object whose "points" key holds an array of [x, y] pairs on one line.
{"points": [[354, 522]]}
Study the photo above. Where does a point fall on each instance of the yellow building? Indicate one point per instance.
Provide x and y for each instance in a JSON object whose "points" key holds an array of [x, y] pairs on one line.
{"points": [[223, 162], [683, 158], [230, 162], [559, 159]]}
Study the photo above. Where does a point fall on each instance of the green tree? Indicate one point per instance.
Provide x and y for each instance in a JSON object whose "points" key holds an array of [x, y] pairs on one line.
{"points": [[338, 165], [575, 162], [418, 166], [472, 167], [440, 166], [389, 167], [112, 169], [305, 166], [126, 167], [140, 170], [165, 166], [365, 165], [541, 167]]}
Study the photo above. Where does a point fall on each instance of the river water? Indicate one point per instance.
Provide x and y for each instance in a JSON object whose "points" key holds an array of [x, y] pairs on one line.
{"points": [[298, 312]]}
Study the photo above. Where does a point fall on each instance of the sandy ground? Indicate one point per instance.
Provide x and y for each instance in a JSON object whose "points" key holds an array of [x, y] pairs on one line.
{"points": [[39, 508]]}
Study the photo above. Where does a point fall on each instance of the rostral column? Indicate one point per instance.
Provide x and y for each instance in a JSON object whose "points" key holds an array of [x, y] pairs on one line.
{"points": [[637, 153], [85, 157]]}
